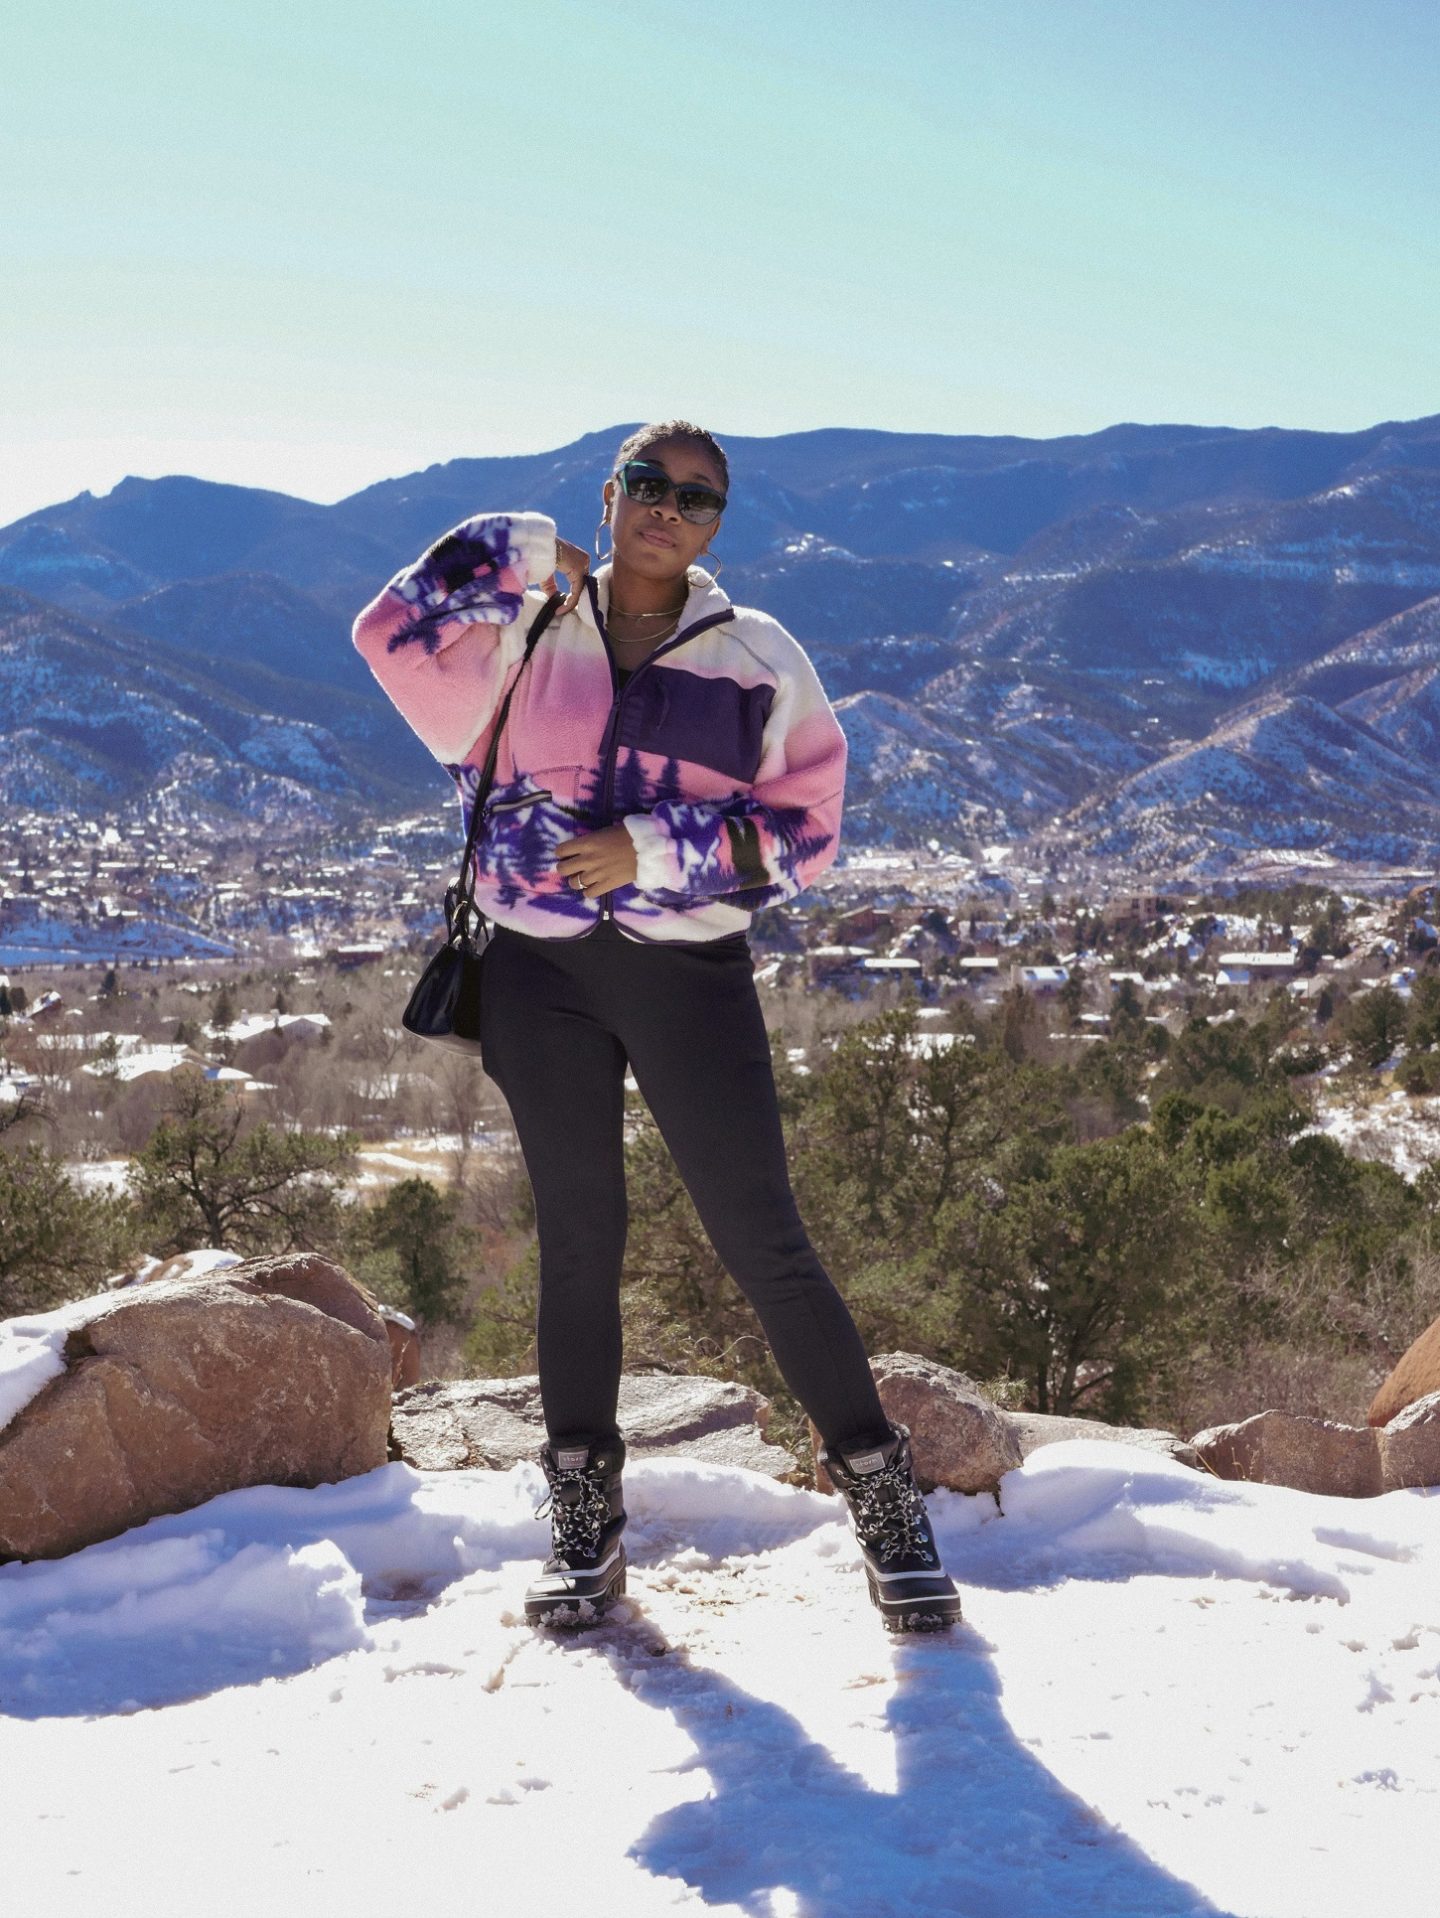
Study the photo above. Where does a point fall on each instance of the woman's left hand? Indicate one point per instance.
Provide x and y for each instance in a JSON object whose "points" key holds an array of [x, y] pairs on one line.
{"points": [[597, 862]]}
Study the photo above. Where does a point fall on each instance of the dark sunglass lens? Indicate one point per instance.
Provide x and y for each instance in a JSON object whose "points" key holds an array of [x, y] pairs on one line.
{"points": [[644, 483], [699, 504]]}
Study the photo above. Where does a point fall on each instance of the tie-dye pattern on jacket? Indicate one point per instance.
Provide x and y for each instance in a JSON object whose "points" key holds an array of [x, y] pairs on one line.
{"points": [[720, 754]]}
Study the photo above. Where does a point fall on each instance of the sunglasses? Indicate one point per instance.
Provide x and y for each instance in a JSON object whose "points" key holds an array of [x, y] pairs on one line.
{"points": [[647, 484]]}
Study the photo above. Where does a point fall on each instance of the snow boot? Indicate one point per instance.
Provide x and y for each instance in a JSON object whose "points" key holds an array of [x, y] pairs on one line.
{"points": [[586, 1566], [907, 1583]]}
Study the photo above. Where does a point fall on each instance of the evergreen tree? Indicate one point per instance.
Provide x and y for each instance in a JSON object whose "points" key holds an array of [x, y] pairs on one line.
{"points": [[1096, 1277], [56, 1242], [1375, 1024], [413, 1251]]}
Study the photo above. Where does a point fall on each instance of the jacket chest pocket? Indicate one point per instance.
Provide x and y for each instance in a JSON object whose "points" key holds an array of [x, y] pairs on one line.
{"points": [[712, 722]]}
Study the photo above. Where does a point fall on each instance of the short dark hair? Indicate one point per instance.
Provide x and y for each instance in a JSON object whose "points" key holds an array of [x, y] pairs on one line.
{"points": [[647, 436]]}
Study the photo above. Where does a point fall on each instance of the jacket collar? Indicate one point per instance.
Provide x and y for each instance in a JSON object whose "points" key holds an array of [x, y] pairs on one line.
{"points": [[705, 600]]}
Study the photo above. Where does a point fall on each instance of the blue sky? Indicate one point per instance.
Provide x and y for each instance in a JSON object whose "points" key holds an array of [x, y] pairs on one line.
{"points": [[308, 245]]}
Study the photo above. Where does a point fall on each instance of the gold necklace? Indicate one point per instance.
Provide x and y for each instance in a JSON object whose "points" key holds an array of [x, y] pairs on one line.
{"points": [[619, 612], [648, 640], [616, 612]]}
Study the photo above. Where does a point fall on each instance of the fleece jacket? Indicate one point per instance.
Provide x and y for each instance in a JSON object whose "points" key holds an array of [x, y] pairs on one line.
{"points": [[720, 755]]}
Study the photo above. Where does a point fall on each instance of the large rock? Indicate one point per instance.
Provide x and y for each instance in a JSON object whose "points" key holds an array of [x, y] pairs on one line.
{"points": [[1410, 1445], [1308, 1455], [456, 1424], [1416, 1376], [958, 1439], [1034, 1429], [274, 1372], [406, 1359], [1339, 1461]]}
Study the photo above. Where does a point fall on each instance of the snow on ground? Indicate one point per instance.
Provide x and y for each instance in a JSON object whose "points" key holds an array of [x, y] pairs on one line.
{"points": [[1171, 1695], [1401, 1131], [380, 1165], [99, 1175]]}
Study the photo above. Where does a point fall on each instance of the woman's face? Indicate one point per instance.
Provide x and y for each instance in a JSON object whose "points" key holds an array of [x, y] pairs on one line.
{"points": [[655, 541]]}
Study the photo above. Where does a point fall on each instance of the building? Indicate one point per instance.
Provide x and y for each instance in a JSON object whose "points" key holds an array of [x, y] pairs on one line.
{"points": [[1240, 968]]}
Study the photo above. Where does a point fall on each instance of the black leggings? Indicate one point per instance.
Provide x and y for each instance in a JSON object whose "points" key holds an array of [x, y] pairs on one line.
{"points": [[560, 1020]]}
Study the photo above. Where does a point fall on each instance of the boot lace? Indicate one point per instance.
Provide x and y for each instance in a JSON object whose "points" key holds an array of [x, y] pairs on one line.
{"points": [[890, 1515], [578, 1508]]}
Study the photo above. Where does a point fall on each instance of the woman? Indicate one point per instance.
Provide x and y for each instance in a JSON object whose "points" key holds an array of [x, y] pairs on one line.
{"points": [[670, 764]]}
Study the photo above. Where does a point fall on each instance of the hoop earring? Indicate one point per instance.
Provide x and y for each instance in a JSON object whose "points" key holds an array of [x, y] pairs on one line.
{"points": [[604, 521], [707, 554]]}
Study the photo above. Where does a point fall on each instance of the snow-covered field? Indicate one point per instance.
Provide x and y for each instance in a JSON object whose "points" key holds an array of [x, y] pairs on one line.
{"points": [[1172, 1695]]}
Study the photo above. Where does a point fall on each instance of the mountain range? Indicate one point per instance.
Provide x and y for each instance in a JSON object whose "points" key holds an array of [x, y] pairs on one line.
{"points": [[1179, 649]]}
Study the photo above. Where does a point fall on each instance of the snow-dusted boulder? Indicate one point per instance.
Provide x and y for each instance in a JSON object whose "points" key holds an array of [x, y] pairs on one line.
{"points": [[1415, 1376], [159, 1396], [960, 1440], [458, 1424], [406, 1357]]}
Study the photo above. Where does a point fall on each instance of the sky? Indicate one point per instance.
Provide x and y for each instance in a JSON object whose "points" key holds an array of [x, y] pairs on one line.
{"points": [[310, 245]]}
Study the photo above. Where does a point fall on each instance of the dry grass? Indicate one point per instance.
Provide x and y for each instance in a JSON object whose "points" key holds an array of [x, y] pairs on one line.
{"points": [[1329, 1345]]}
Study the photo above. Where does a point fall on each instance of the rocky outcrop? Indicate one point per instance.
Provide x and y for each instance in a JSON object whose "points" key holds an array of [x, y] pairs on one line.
{"points": [[276, 1371], [456, 1424], [406, 1358], [1308, 1455], [1416, 1376], [1410, 1446], [406, 1364], [1034, 1429], [1337, 1461], [960, 1440]]}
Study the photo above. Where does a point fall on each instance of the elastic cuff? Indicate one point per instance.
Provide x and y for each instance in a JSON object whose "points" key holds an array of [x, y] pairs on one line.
{"points": [[534, 536], [654, 869]]}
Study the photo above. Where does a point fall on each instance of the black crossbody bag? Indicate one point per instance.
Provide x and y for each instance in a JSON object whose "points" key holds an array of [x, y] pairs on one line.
{"points": [[445, 1005]]}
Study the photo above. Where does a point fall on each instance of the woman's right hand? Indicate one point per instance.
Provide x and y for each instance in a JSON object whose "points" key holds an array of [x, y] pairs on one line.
{"points": [[574, 563]]}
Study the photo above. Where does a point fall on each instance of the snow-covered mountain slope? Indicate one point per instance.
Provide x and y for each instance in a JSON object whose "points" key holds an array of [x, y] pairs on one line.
{"points": [[906, 774], [1171, 1697], [48, 559], [1404, 711], [1015, 628], [91, 716], [1307, 777]]}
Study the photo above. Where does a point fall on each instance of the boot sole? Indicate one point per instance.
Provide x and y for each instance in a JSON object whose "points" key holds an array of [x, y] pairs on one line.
{"points": [[914, 1614], [573, 1611]]}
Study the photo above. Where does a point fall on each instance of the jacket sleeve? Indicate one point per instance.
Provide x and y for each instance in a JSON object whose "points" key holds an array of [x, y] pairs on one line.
{"points": [[769, 843], [442, 636]]}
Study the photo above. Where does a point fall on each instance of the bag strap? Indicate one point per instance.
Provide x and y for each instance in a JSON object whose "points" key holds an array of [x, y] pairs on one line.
{"points": [[464, 891]]}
